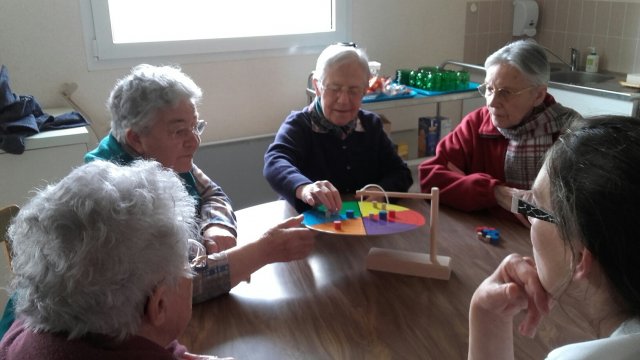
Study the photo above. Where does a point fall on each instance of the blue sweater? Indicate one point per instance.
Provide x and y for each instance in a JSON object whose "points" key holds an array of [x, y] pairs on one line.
{"points": [[299, 155]]}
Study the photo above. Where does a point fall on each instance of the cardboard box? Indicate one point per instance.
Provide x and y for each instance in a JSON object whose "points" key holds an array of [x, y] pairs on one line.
{"points": [[430, 130]]}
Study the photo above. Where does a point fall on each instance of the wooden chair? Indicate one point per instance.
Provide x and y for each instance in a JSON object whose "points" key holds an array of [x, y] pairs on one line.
{"points": [[6, 214]]}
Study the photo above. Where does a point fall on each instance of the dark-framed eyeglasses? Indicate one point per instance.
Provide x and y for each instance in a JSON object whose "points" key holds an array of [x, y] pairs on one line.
{"points": [[486, 90], [521, 206]]}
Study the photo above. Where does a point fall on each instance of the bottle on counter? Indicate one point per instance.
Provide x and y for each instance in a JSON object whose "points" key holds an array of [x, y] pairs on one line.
{"points": [[592, 61]]}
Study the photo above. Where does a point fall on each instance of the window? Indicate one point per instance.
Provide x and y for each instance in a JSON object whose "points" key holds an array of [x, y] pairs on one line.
{"points": [[142, 29]]}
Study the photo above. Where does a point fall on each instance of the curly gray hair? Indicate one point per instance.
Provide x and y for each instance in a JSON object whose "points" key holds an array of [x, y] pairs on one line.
{"points": [[147, 89], [89, 250]]}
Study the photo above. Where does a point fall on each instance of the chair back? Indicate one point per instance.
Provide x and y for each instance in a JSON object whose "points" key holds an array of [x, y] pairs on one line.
{"points": [[6, 214]]}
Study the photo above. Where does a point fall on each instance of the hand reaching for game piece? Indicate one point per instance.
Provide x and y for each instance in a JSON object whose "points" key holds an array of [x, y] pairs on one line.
{"points": [[320, 193]]}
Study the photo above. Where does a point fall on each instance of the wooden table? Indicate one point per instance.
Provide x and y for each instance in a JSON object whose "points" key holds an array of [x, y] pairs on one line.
{"points": [[329, 306]]}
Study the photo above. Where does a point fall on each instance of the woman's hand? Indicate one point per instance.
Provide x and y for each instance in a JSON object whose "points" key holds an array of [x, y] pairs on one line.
{"points": [[287, 241], [218, 238], [320, 192], [504, 196], [513, 288]]}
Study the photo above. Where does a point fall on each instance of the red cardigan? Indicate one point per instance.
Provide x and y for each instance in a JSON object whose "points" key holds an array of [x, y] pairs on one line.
{"points": [[478, 149]]}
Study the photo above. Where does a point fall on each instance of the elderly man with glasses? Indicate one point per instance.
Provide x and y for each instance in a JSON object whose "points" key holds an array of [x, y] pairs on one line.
{"points": [[497, 150]]}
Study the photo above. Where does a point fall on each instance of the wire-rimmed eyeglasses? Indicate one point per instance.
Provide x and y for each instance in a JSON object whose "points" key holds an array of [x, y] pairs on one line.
{"points": [[184, 132], [350, 44], [199, 128], [485, 90]]}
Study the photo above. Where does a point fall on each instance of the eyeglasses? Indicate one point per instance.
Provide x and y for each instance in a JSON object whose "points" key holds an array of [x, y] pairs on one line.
{"points": [[335, 91], [486, 91], [184, 132], [197, 255], [350, 44], [520, 206]]}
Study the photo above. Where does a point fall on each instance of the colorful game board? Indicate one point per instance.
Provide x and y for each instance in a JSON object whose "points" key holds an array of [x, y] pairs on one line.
{"points": [[364, 218]]}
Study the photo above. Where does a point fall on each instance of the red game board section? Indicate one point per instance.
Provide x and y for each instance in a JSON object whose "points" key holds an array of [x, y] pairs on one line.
{"points": [[409, 217]]}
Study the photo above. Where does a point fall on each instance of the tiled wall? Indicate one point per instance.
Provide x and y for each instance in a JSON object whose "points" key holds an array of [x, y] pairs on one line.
{"points": [[613, 27]]}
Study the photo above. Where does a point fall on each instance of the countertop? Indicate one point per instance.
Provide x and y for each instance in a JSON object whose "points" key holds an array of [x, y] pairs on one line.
{"points": [[610, 88]]}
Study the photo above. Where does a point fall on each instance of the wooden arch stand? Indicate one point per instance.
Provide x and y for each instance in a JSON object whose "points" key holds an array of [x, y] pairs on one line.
{"points": [[429, 265]]}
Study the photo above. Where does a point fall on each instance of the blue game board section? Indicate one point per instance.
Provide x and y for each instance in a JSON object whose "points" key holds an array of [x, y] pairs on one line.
{"points": [[318, 215]]}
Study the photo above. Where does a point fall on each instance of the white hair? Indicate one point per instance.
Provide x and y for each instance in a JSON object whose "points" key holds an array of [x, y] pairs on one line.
{"points": [[90, 249]]}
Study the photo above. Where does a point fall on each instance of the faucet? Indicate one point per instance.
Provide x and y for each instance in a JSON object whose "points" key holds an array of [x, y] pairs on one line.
{"points": [[574, 59]]}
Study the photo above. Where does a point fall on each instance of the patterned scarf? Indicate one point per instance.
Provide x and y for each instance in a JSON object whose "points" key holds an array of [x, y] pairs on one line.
{"points": [[321, 124], [529, 142]]}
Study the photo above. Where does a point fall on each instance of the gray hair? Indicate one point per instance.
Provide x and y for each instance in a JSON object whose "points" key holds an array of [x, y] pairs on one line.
{"points": [[337, 54], [527, 56], [89, 250], [147, 89]]}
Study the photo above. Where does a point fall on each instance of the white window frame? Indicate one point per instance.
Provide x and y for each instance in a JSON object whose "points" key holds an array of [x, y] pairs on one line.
{"points": [[102, 53]]}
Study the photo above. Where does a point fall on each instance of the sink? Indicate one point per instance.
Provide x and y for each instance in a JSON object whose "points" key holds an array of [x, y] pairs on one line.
{"points": [[579, 77]]}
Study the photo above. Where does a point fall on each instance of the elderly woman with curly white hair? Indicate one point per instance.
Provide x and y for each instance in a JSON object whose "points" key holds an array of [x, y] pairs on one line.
{"points": [[101, 266]]}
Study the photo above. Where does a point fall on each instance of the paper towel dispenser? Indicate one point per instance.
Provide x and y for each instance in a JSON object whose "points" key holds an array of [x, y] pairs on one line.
{"points": [[525, 17]]}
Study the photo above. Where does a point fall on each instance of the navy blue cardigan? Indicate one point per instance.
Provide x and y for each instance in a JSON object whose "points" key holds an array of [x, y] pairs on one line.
{"points": [[300, 156]]}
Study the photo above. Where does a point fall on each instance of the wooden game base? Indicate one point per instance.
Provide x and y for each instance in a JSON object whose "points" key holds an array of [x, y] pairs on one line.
{"points": [[409, 263]]}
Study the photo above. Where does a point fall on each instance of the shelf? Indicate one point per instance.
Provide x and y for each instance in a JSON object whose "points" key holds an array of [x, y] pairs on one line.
{"points": [[417, 100], [53, 138]]}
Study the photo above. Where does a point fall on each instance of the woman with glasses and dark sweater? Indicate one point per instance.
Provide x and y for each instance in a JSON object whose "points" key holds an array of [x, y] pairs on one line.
{"points": [[497, 149]]}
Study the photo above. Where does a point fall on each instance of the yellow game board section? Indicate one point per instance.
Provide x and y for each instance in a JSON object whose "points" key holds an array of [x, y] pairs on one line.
{"points": [[347, 227], [367, 208]]}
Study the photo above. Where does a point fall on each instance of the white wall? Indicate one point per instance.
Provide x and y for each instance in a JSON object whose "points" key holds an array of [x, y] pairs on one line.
{"points": [[42, 44]]}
